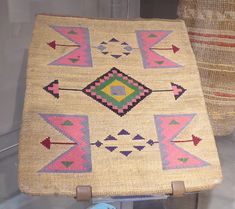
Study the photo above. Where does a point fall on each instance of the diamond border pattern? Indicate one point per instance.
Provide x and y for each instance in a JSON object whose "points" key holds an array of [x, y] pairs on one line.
{"points": [[89, 90]]}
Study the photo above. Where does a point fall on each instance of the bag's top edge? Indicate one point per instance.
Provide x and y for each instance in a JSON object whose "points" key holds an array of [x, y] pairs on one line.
{"points": [[41, 15]]}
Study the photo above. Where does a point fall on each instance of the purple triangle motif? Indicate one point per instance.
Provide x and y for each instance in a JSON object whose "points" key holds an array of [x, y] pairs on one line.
{"points": [[105, 52], [113, 40], [126, 53], [116, 56], [111, 148], [101, 47], [98, 143], [139, 147], [126, 153], [138, 137], [123, 132], [124, 43], [150, 142], [110, 137]]}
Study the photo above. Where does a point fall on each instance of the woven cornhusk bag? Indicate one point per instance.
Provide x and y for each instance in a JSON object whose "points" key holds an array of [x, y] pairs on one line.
{"points": [[211, 28], [116, 105]]}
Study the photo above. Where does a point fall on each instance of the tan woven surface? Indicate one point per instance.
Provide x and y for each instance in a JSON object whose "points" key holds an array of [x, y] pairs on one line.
{"points": [[211, 27], [113, 173]]}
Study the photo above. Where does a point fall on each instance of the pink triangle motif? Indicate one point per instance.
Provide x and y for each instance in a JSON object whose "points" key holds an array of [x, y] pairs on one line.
{"points": [[79, 154], [170, 152], [147, 40], [80, 56]]}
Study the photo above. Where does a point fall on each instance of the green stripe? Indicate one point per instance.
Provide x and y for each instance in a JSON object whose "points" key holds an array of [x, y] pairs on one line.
{"points": [[99, 91]]}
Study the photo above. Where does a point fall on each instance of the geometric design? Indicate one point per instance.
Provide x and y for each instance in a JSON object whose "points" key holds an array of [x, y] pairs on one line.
{"points": [[124, 43], [116, 55], [159, 62], [177, 90], [101, 47], [123, 132], [110, 138], [73, 60], [126, 153], [76, 159], [113, 40], [138, 137], [52, 44], [151, 142], [97, 143], [183, 160], [151, 59], [72, 32], [67, 123], [111, 148], [114, 48], [128, 48], [152, 35], [67, 163], [46, 143], [136, 145], [117, 91], [173, 122], [196, 140], [174, 157], [53, 88], [139, 147], [81, 55]]}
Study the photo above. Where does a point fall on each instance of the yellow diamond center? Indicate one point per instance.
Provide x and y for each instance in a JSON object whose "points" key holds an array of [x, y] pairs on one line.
{"points": [[116, 83]]}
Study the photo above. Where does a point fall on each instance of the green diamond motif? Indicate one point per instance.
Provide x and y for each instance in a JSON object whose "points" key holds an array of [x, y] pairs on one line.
{"points": [[110, 98], [174, 122], [160, 62], [67, 163], [183, 160], [67, 123], [152, 35], [73, 60], [101, 91], [72, 32]]}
